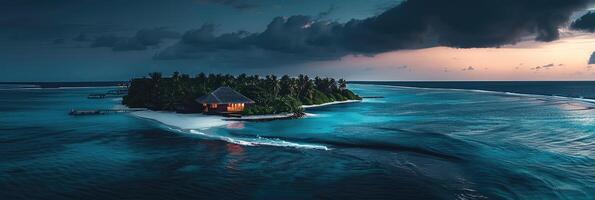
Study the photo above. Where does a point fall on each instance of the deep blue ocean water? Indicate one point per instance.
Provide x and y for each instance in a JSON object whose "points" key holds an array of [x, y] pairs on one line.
{"points": [[576, 89], [413, 144]]}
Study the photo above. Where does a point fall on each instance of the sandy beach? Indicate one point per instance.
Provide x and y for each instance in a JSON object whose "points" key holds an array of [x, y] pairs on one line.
{"points": [[330, 103]]}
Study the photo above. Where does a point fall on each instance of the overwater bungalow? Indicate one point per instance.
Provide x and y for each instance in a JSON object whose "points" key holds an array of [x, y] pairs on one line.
{"points": [[224, 100]]}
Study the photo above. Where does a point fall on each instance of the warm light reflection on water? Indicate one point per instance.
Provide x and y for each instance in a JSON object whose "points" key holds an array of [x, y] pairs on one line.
{"points": [[235, 125]]}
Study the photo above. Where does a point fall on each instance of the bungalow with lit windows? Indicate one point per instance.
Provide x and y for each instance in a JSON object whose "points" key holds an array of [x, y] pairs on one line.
{"points": [[224, 100]]}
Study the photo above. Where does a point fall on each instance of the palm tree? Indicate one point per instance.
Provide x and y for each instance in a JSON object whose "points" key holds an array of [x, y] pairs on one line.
{"points": [[155, 77], [242, 78], [308, 88], [171, 92], [287, 86], [318, 83], [211, 82], [302, 82], [342, 84], [333, 85], [201, 84], [273, 85], [155, 97]]}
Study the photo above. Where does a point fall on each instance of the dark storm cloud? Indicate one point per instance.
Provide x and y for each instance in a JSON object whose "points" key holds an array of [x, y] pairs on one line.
{"points": [[154, 36], [37, 20], [548, 66], [327, 13], [140, 41], [470, 68], [461, 23], [58, 41], [402, 67], [106, 41], [294, 39], [592, 59], [585, 23], [237, 4], [49, 19], [81, 38], [412, 24], [34, 28]]}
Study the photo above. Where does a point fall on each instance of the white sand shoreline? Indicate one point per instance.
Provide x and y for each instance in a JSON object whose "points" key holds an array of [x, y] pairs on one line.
{"points": [[201, 121], [270, 116], [330, 103], [182, 121]]}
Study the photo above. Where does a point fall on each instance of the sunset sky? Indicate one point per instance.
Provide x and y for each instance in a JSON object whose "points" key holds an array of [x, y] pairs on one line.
{"points": [[89, 40]]}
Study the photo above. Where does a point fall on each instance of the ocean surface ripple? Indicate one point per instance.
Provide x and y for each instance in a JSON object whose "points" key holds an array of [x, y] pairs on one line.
{"points": [[415, 143]]}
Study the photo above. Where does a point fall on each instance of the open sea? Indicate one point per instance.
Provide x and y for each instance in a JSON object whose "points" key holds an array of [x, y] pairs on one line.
{"points": [[423, 140]]}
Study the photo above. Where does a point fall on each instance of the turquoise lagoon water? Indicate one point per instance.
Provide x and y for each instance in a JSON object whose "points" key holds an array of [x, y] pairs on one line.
{"points": [[413, 144]]}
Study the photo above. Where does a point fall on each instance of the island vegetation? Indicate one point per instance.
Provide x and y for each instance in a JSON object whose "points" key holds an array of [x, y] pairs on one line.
{"points": [[272, 95]]}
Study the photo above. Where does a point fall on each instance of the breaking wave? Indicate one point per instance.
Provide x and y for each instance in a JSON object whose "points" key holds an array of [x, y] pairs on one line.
{"points": [[258, 141], [492, 92], [193, 124]]}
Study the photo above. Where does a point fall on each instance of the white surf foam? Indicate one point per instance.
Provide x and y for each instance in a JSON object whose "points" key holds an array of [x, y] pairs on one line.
{"points": [[587, 100], [195, 123], [330, 103], [118, 99], [489, 91], [373, 100], [312, 115], [258, 141]]}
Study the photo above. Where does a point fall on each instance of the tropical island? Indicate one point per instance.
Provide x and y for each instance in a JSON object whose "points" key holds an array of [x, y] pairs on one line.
{"points": [[238, 95]]}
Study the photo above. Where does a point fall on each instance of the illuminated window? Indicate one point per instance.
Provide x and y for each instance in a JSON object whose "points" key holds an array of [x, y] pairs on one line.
{"points": [[235, 107]]}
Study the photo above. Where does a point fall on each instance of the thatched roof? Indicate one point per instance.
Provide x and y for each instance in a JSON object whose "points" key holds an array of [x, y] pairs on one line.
{"points": [[223, 95]]}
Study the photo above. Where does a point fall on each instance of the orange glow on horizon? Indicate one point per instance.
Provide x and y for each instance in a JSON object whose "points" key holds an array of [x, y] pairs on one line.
{"points": [[564, 59]]}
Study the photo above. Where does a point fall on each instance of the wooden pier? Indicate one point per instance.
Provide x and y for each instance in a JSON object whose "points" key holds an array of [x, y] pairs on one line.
{"points": [[103, 111]]}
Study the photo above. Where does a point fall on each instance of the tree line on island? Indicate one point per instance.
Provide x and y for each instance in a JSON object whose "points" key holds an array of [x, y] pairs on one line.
{"points": [[271, 94]]}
